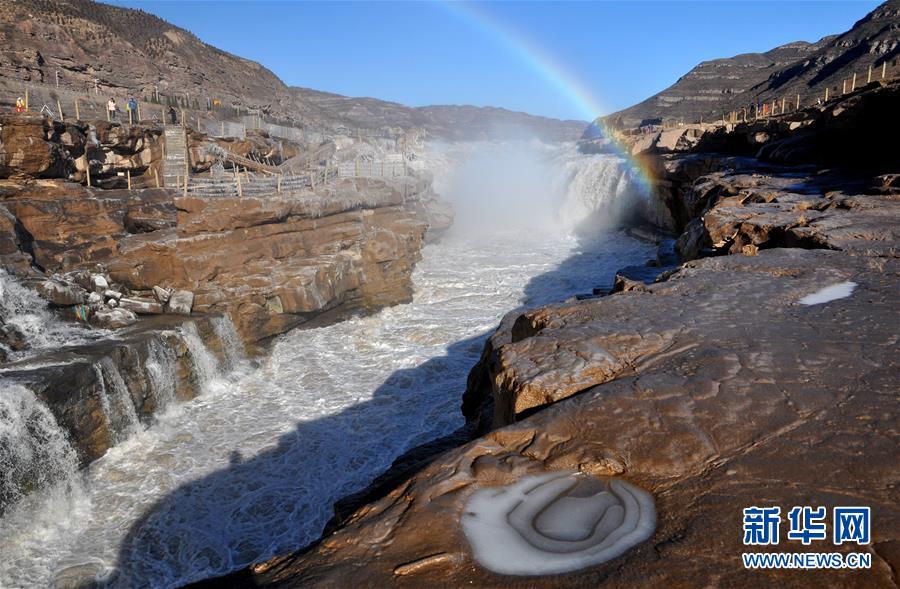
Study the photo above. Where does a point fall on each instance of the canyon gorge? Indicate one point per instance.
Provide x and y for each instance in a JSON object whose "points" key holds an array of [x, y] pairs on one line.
{"points": [[362, 344]]}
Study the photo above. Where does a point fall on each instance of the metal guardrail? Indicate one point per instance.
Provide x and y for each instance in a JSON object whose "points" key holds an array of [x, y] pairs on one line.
{"points": [[384, 168], [245, 184]]}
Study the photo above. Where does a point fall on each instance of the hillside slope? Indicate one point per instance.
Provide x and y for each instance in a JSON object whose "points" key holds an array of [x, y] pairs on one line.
{"points": [[721, 85], [106, 49]]}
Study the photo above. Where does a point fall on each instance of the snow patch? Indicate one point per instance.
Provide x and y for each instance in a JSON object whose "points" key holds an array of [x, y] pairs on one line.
{"points": [[829, 293]]}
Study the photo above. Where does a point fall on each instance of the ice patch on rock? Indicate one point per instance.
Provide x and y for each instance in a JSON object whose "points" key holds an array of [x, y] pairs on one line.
{"points": [[829, 293], [556, 523]]}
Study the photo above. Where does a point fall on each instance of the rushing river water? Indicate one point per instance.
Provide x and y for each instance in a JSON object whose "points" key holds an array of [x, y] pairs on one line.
{"points": [[252, 467]]}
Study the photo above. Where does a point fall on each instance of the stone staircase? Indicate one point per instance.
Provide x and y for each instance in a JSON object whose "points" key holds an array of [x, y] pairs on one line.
{"points": [[176, 153]]}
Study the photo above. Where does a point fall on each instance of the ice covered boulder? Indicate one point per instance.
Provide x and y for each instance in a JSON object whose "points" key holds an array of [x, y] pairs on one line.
{"points": [[162, 295], [59, 293], [99, 283]]}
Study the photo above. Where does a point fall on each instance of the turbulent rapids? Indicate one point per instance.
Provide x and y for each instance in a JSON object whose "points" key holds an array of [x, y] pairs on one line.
{"points": [[251, 467]]}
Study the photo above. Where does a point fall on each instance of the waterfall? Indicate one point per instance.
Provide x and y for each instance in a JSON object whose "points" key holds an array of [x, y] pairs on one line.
{"points": [[23, 309], [231, 341], [529, 184], [116, 401], [161, 370], [600, 191], [34, 451], [206, 367]]}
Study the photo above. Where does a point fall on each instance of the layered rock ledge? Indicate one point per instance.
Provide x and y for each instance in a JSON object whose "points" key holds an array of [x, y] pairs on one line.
{"points": [[270, 263]]}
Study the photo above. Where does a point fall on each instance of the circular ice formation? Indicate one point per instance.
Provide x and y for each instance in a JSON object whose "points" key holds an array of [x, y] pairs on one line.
{"points": [[556, 523]]}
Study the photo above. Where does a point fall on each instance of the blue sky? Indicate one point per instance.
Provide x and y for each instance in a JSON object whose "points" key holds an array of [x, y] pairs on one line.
{"points": [[559, 59]]}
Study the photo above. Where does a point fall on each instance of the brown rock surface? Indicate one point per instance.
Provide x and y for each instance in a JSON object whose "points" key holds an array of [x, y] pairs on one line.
{"points": [[709, 422], [39, 147]]}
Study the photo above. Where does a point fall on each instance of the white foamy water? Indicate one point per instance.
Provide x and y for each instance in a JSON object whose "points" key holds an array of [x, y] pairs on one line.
{"points": [[34, 451], [252, 467], [31, 315]]}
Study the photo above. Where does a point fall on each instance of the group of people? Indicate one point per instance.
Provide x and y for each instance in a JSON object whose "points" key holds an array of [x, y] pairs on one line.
{"points": [[113, 109], [131, 106]]}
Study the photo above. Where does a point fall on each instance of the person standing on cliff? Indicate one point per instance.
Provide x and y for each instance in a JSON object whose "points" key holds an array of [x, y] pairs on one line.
{"points": [[113, 110], [20, 104], [132, 106]]}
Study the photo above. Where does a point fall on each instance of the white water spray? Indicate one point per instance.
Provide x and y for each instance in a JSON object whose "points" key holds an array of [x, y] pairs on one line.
{"points": [[231, 342], [34, 451], [206, 367], [161, 369], [22, 308], [116, 401]]}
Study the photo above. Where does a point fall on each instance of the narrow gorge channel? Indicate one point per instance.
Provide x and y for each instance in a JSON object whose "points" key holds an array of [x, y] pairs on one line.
{"points": [[252, 466]]}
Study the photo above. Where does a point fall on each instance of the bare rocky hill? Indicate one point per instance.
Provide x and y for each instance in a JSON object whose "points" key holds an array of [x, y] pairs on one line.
{"points": [[103, 49], [721, 85]]}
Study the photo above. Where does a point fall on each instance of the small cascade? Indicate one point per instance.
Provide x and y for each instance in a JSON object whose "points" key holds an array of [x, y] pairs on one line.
{"points": [[206, 367], [231, 341], [117, 403], [26, 312], [162, 370], [34, 451]]}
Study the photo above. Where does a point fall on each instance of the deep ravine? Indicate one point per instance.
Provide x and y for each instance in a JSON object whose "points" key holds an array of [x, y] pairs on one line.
{"points": [[252, 467]]}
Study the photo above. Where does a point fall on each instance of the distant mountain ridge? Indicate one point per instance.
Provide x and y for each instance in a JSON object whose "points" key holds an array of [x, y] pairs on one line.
{"points": [[721, 85], [123, 51]]}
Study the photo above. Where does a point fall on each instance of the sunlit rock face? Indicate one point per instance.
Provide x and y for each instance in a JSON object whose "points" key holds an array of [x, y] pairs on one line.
{"points": [[556, 523]]}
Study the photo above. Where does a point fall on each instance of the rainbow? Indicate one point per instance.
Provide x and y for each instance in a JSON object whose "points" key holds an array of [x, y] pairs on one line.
{"points": [[550, 69]]}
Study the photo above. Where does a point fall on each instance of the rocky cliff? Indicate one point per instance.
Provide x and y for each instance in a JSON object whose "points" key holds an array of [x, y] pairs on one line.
{"points": [[117, 51], [762, 371], [270, 263], [722, 85], [171, 285]]}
